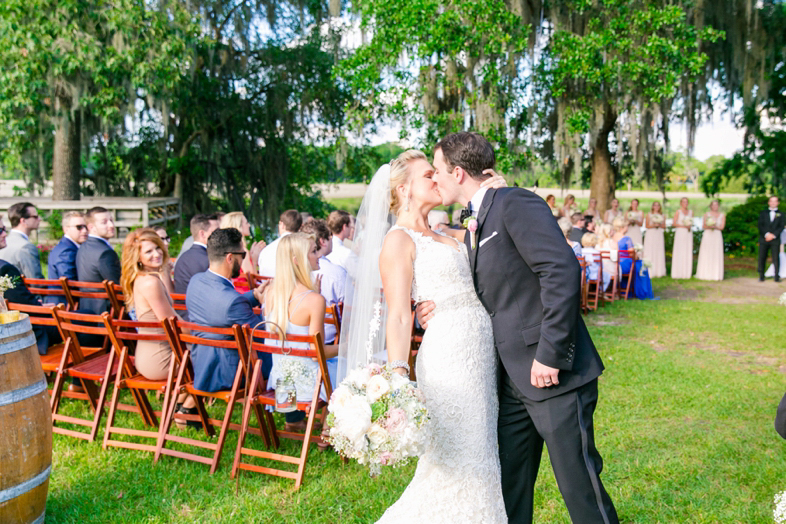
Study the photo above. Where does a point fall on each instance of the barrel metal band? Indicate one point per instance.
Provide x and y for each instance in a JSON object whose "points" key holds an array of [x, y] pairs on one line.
{"points": [[18, 395], [17, 345], [20, 327], [24, 487], [41, 519]]}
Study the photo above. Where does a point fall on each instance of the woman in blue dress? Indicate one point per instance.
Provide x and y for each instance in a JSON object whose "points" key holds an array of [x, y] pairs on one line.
{"points": [[642, 285]]}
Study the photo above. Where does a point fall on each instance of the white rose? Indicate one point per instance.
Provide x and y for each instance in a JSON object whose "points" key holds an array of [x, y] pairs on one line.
{"points": [[377, 386], [354, 419], [339, 399], [359, 377], [377, 435], [398, 381]]}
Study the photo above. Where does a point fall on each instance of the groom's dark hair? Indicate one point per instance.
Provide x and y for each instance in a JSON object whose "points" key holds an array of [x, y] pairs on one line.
{"points": [[469, 151]]}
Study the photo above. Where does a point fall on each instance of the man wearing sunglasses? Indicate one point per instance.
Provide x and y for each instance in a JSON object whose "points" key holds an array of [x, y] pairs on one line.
{"points": [[62, 259], [19, 251]]}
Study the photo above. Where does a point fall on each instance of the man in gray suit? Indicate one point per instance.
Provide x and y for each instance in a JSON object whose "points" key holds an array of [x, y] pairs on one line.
{"points": [[96, 260], [19, 251]]}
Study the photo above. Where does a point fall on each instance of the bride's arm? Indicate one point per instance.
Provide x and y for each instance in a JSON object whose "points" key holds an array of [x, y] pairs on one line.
{"points": [[395, 268]]}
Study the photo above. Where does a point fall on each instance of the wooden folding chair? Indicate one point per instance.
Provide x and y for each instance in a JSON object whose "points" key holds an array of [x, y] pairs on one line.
{"points": [[101, 369], [120, 333], [100, 290], [594, 287], [255, 279], [117, 298], [258, 396], [610, 294], [625, 288], [333, 317], [234, 396], [179, 301], [49, 288], [45, 316]]}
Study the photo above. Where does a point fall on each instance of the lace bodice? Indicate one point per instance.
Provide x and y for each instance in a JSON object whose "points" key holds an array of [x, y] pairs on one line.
{"points": [[458, 477], [441, 272]]}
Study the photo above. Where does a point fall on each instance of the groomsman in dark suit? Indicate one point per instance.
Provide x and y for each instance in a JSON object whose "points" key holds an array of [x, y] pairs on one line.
{"points": [[62, 258], [195, 259], [96, 260], [771, 223]]}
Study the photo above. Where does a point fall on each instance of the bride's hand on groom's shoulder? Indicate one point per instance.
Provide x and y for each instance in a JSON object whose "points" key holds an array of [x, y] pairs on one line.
{"points": [[424, 312], [495, 182]]}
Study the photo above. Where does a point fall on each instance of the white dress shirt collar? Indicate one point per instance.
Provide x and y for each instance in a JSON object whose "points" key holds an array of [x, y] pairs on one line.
{"points": [[199, 244], [72, 240], [20, 233], [477, 201], [101, 238], [222, 276]]}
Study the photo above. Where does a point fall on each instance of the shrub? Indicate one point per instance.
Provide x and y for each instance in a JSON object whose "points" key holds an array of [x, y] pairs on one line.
{"points": [[742, 233]]}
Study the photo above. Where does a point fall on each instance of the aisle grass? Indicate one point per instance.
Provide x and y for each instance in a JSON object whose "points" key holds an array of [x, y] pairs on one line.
{"points": [[684, 423]]}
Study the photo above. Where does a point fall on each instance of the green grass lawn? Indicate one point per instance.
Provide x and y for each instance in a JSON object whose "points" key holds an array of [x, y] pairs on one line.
{"points": [[684, 424]]}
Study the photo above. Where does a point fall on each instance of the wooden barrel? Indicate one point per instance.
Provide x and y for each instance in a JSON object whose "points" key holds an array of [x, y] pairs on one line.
{"points": [[25, 426]]}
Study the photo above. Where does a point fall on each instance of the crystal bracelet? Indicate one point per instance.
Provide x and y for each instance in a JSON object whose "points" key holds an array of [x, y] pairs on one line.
{"points": [[399, 364]]}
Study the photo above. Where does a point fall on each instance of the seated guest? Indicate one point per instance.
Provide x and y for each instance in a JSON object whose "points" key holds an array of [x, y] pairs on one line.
{"points": [[340, 224], [164, 236], [642, 285], [592, 258], [19, 251], [305, 217], [289, 222], [577, 220], [195, 259], [212, 301], [19, 294], [590, 224], [607, 244], [62, 258], [438, 219], [239, 221], [567, 228], [147, 286], [96, 260], [189, 241], [333, 277], [296, 306]]}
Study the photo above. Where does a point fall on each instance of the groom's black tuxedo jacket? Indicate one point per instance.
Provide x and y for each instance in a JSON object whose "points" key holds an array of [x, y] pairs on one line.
{"points": [[771, 226], [529, 281]]}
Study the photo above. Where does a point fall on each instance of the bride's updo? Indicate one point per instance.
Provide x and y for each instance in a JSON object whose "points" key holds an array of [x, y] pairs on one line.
{"points": [[399, 173]]}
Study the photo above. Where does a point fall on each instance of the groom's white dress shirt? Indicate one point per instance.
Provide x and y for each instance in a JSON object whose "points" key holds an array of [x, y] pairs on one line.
{"points": [[477, 201], [772, 214]]}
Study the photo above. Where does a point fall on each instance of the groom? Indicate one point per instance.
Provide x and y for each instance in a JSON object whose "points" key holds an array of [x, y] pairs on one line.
{"points": [[528, 279]]}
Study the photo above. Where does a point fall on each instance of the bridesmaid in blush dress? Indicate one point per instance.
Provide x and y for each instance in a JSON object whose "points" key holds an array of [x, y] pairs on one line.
{"points": [[682, 258], [654, 247], [710, 266], [613, 212], [635, 220]]}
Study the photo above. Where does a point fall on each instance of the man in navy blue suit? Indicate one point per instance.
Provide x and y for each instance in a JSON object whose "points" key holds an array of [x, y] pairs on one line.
{"points": [[212, 300], [195, 259], [96, 260], [62, 259]]}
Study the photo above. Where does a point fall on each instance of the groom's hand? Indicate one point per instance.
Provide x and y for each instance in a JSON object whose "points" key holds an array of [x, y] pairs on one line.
{"points": [[425, 312], [543, 376]]}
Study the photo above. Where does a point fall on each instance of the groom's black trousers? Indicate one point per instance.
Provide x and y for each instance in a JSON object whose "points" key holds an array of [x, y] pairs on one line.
{"points": [[564, 423]]}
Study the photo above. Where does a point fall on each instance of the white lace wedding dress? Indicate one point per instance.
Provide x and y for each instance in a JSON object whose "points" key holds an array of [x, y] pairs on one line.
{"points": [[457, 479]]}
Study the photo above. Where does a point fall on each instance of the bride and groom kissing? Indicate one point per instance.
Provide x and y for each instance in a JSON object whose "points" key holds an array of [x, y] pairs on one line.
{"points": [[506, 363]]}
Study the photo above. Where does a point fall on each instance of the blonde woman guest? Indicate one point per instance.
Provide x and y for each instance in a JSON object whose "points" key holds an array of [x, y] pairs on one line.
{"points": [[295, 304], [635, 220], [592, 210], [239, 221], [568, 207], [592, 258], [607, 243], [654, 246], [613, 212], [147, 285], [710, 265], [566, 226], [552, 202], [682, 259]]}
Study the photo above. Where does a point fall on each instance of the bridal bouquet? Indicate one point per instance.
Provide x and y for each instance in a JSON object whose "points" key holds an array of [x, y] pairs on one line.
{"points": [[377, 417], [632, 217], [656, 219], [710, 222], [687, 221]]}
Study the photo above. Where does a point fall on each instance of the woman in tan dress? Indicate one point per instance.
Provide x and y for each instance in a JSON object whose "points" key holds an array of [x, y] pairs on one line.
{"points": [[682, 258], [654, 246], [710, 266], [592, 210], [635, 219], [147, 285], [613, 212], [569, 207]]}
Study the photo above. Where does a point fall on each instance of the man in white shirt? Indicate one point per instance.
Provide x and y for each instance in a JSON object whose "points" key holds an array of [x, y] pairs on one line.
{"points": [[340, 225], [19, 251], [289, 222], [333, 277]]}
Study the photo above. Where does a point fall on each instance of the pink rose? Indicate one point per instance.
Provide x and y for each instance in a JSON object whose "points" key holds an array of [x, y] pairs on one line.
{"points": [[375, 369], [385, 457], [396, 421], [472, 226]]}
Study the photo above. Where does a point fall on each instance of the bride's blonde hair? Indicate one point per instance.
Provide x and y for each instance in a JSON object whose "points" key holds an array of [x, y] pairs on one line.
{"points": [[399, 174]]}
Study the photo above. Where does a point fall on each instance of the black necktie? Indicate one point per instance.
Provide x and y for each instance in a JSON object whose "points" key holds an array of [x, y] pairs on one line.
{"points": [[465, 214]]}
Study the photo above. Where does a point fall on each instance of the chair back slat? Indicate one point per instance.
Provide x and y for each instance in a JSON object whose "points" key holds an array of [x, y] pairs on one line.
{"points": [[256, 345], [237, 342], [40, 315], [44, 287], [179, 301], [254, 279]]}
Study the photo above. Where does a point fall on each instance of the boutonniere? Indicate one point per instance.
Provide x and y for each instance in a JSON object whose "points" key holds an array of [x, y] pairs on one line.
{"points": [[471, 225]]}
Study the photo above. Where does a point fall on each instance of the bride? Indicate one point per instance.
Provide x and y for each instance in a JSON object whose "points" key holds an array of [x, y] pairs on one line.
{"points": [[458, 477]]}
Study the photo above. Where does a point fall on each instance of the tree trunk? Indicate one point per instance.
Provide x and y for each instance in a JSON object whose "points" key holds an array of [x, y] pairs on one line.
{"points": [[66, 162], [602, 184]]}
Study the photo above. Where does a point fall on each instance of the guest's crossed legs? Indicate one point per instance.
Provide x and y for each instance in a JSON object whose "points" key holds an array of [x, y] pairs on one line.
{"points": [[564, 422]]}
